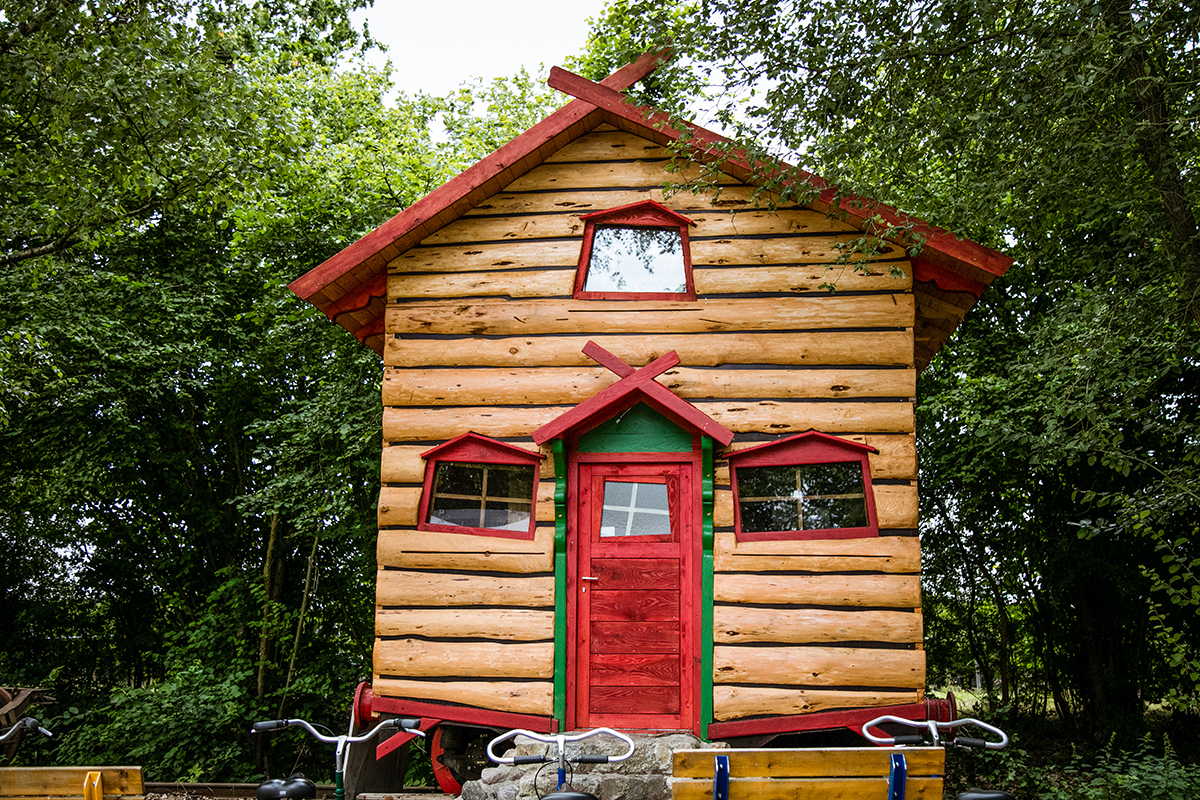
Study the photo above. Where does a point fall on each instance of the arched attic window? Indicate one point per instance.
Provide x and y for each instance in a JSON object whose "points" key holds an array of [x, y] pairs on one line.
{"points": [[635, 252], [808, 486], [476, 485]]}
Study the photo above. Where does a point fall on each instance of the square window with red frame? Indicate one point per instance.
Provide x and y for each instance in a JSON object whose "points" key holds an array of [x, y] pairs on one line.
{"points": [[476, 485], [809, 486]]}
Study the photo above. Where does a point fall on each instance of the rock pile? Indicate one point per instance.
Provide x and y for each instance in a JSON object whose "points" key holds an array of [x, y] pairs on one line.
{"points": [[643, 776]]}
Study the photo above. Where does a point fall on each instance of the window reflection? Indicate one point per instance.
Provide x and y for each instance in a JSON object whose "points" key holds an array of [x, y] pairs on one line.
{"points": [[635, 509], [494, 496], [636, 259], [801, 498]]}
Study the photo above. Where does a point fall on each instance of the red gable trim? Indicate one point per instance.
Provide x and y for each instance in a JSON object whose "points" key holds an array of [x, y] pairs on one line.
{"points": [[810, 436], [704, 142], [945, 279], [428, 207], [470, 442], [640, 381], [643, 212]]}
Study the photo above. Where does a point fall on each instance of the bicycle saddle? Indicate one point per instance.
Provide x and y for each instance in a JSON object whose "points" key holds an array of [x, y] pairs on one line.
{"points": [[293, 787], [569, 794], [984, 794]]}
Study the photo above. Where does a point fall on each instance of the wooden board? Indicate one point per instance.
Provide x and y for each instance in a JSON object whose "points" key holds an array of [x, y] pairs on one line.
{"points": [[808, 762], [738, 197], [543, 317], [403, 463], [417, 658], [48, 782], [481, 562], [517, 697], [878, 591], [873, 348], [393, 542], [404, 588], [810, 789], [708, 224], [895, 554], [741, 624], [609, 145], [515, 624], [571, 386], [550, 177], [442, 424], [739, 702], [819, 666]]}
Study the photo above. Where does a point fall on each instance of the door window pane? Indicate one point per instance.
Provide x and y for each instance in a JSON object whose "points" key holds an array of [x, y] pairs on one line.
{"points": [[635, 509]]}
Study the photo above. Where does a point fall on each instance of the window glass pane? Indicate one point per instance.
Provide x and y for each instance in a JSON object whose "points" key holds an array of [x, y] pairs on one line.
{"points": [[492, 496], [636, 260], [803, 497], [635, 509]]}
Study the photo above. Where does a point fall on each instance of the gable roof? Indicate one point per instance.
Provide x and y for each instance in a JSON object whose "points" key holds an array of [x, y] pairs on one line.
{"points": [[950, 274]]}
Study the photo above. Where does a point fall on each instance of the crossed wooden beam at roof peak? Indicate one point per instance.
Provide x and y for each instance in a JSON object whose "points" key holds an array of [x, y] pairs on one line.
{"points": [[633, 379]]}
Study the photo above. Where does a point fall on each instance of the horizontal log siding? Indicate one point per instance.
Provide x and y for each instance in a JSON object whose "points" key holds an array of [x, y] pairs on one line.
{"points": [[482, 335]]}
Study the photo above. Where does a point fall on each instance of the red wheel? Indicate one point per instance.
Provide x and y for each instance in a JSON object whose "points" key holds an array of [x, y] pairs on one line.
{"points": [[442, 773]]}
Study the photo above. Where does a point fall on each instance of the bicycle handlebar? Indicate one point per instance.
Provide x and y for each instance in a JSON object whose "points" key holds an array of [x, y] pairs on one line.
{"points": [[408, 725], [930, 733], [560, 740], [23, 724]]}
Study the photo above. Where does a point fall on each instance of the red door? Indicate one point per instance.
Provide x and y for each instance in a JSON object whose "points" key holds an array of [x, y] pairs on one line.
{"points": [[635, 589]]}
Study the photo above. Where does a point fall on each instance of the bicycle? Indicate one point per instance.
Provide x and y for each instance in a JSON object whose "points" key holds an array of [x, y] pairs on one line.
{"points": [[297, 786], [930, 736], [24, 724], [560, 741]]}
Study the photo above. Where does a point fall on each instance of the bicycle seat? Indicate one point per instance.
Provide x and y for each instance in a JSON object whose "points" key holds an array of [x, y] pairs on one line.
{"points": [[984, 794], [294, 787], [569, 794]]}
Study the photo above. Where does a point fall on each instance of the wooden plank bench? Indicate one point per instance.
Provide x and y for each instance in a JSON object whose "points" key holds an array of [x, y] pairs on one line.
{"points": [[71, 783], [852, 773]]}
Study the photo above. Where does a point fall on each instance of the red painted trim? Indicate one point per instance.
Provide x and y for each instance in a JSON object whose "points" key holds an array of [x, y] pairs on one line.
{"points": [[472, 445], [928, 272], [821, 720], [643, 213], [481, 717], [638, 381], [372, 328], [458, 188], [360, 297], [702, 141], [759, 453], [472, 448], [810, 447], [607, 360], [441, 773], [402, 738]]}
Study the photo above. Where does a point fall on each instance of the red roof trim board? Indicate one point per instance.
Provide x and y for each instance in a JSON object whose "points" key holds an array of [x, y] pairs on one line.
{"points": [[703, 141], [470, 441], [350, 287], [635, 380], [456, 189]]}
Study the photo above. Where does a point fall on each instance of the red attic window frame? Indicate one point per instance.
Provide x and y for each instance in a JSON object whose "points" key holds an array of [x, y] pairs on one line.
{"points": [[643, 214], [473, 449], [808, 448]]}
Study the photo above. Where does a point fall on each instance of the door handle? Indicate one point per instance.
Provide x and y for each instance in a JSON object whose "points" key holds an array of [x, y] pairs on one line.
{"points": [[588, 578]]}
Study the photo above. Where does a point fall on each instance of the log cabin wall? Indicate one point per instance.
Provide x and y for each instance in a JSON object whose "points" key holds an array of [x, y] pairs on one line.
{"points": [[482, 334]]}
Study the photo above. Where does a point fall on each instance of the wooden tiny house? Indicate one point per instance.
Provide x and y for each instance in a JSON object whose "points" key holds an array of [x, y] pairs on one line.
{"points": [[639, 468]]}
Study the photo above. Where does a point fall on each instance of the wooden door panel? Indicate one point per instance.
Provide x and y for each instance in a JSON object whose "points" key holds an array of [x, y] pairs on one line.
{"points": [[611, 700], [635, 669], [635, 573], [635, 605], [635, 637]]}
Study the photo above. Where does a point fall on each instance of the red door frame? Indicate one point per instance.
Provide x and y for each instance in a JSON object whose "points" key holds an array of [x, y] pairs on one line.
{"points": [[690, 552]]}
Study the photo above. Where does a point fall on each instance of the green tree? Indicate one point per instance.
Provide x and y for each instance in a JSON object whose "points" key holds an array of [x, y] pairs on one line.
{"points": [[1058, 427]]}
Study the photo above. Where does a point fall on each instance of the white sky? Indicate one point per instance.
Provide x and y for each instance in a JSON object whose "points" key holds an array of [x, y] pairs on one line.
{"points": [[434, 45]]}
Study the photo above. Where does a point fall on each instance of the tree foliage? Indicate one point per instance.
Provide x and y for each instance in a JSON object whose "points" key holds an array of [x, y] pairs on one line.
{"points": [[190, 453], [1058, 427]]}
